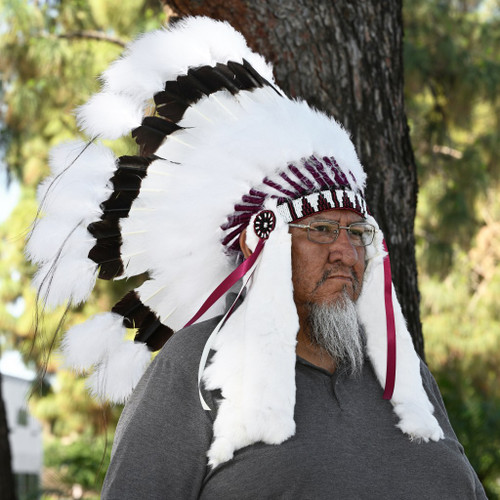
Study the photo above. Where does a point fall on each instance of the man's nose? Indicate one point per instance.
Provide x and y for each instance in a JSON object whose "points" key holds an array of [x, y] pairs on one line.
{"points": [[343, 250]]}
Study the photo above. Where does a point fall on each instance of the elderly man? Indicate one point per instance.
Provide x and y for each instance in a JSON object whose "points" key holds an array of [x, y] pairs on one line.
{"points": [[305, 383]]}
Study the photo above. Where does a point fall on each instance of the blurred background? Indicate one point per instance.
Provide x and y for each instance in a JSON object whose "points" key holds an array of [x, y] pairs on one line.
{"points": [[50, 54]]}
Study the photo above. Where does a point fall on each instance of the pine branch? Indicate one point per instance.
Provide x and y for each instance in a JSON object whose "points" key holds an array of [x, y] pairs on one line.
{"points": [[93, 35]]}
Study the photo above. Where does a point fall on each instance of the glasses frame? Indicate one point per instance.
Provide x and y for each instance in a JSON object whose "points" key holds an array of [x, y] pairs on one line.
{"points": [[347, 228]]}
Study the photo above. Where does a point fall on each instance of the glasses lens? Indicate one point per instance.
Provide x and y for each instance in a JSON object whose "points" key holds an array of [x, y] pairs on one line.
{"points": [[361, 233], [323, 232]]}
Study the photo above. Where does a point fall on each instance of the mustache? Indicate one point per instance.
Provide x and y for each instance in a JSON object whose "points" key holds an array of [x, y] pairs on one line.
{"points": [[343, 270]]}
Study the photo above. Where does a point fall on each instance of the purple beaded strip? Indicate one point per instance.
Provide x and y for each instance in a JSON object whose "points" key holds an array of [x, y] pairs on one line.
{"points": [[293, 184]]}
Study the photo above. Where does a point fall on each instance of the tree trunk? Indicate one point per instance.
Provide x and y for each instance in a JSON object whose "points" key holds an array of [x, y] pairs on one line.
{"points": [[345, 58], [7, 488]]}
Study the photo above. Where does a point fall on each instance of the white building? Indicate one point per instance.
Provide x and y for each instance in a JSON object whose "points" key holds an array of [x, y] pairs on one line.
{"points": [[25, 434]]}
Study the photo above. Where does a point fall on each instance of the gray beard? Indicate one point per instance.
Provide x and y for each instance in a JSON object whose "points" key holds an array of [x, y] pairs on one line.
{"points": [[336, 330]]}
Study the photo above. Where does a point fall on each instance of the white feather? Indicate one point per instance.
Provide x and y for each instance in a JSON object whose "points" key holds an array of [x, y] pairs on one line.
{"points": [[80, 159], [62, 156], [192, 42], [86, 344], [109, 116], [116, 375], [71, 279], [51, 234]]}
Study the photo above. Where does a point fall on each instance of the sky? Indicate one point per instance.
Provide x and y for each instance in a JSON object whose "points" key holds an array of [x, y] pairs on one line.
{"points": [[8, 196], [12, 364]]}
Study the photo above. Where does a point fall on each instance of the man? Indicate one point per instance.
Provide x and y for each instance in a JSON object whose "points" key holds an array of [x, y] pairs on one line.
{"points": [[305, 384]]}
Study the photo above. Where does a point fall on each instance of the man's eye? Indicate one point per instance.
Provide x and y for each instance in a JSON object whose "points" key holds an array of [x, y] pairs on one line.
{"points": [[357, 231], [324, 228]]}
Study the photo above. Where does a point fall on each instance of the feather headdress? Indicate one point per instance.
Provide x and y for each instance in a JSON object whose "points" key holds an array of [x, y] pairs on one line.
{"points": [[222, 146]]}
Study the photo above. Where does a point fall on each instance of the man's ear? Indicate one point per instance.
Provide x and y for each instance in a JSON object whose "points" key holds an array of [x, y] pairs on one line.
{"points": [[243, 244]]}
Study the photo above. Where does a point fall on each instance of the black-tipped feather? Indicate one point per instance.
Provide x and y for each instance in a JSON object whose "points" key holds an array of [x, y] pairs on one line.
{"points": [[212, 79], [151, 331], [107, 228], [172, 102], [173, 111], [246, 79], [126, 182], [106, 253], [229, 75], [136, 163], [189, 89], [262, 81], [173, 92], [118, 204], [255, 74], [151, 133]]}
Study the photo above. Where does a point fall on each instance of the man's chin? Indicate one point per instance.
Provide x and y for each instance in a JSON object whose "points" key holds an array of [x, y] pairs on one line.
{"points": [[338, 297]]}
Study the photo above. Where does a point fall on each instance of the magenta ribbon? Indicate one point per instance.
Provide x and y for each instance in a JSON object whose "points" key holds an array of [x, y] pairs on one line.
{"points": [[233, 278], [390, 376]]}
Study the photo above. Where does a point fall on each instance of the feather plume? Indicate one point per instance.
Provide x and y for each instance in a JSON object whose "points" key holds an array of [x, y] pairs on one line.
{"points": [[56, 284], [116, 375], [151, 331], [109, 116], [86, 344], [53, 236], [192, 42]]}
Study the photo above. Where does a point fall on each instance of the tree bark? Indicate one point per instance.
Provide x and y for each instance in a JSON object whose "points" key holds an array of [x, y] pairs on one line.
{"points": [[346, 58], [7, 486]]}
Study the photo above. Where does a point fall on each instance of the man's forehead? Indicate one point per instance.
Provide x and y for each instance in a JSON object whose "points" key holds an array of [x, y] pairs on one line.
{"points": [[334, 214]]}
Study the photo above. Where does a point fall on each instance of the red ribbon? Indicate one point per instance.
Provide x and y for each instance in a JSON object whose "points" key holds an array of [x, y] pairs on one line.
{"points": [[233, 278], [390, 376]]}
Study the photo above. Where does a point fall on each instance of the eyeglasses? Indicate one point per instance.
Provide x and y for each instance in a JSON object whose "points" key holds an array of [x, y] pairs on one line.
{"points": [[360, 234]]}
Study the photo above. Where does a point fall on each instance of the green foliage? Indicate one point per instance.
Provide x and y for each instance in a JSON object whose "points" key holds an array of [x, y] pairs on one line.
{"points": [[82, 413], [83, 461], [452, 74]]}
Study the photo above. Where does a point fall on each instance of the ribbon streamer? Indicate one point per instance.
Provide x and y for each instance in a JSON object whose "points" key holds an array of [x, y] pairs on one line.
{"points": [[247, 266], [390, 377], [210, 341], [233, 278]]}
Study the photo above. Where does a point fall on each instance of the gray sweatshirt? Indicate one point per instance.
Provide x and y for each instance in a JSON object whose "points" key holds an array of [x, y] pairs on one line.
{"points": [[346, 445]]}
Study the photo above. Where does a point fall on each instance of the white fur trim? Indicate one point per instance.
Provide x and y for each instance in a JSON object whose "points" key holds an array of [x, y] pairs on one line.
{"points": [[254, 363], [251, 238], [410, 401]]}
